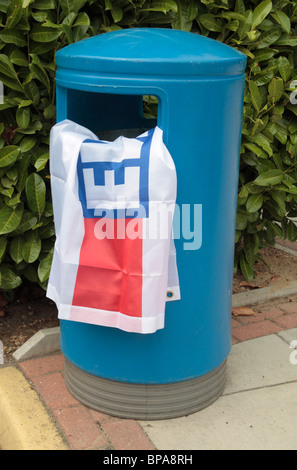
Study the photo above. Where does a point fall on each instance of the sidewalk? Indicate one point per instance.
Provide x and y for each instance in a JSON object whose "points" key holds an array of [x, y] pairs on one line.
{"points": [[258, 408]]}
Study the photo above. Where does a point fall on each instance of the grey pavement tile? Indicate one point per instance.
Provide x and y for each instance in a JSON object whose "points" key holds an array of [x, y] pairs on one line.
{"points": [[262, 419], [288, 335], [259, 362]]}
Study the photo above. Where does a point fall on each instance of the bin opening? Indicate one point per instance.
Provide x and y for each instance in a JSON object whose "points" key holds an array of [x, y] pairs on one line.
{"points": [[112, 115]]}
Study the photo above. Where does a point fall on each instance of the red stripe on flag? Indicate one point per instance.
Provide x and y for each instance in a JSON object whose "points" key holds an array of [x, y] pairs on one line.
{"points": [[109, 275]]}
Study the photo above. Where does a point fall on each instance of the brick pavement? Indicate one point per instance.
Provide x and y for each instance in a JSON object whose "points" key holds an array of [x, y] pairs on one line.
{"points": [[86, 429], [83, 429], [268, 319]]}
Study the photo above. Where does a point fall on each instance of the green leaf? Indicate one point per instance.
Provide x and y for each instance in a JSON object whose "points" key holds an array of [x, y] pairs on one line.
{"points": [[283, 20], [165, 6], [35, 126], [262, 141], [10, 218], [245, 26], [246, 269], [263, 54], [39, 48], [68, 20], [4, 4], [32, 92], [263, 77], [254, 202], [47, 230], [23, 172], [82, 19], [260, 13], [279, 198], [10, 83], [285, 40], [14, 13], [27, 143], [12, 173], [45, 5], [8, 155], [250, 248], [35, 192], [49, 111], [16, 249], [292, 231], [276, 89], [241, 220], [31, 247], [270, 177], [108, 5], [41, 161], [239, 6], [255, 149], [277, 230], [269, 37], [3, 244], [284, 67], [255, 95], [233, 15], [28, 221], [23, 117], [13, 36], [44, 34], [6, 67], [44, 267], [292, 108], [17, 57], [210, 23], [244, 192], [182, 20], [9, 280], [40, 74], [117, 14], [26, 3], [71, 5], [30, 273], [68, 33]]}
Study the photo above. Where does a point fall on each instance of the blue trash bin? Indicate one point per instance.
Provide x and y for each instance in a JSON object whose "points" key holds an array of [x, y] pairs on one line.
{"points": [[199, 84]]}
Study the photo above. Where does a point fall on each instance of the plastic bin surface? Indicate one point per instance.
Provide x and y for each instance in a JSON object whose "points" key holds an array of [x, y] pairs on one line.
{"points": [[199, 84]]}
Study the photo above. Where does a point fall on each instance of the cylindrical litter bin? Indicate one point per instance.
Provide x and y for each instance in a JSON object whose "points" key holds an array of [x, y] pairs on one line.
{"points": [[199, 84]]}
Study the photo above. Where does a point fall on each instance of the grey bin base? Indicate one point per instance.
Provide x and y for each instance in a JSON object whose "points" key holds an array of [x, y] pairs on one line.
{"points": [[141, 401]]}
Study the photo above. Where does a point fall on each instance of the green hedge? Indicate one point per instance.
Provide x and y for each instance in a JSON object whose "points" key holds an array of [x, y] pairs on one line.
{"points": [[33, 30]]}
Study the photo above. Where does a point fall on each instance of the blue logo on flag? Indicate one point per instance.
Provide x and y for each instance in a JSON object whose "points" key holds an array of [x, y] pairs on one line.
{"points": [[115, 189]]}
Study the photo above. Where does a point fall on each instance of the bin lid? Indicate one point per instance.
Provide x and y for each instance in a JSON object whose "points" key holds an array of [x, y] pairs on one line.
{"points": [[152, 51]]}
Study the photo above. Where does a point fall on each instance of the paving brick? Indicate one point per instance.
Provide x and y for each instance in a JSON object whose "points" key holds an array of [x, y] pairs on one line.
{"points": [[255, 330], [289, 307], [53, 390], [43, 366], [246, 320], [261, 316], [98, 416], [235, 323], [272, 312], [80, 429], [287, 321], [126, 434]]}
